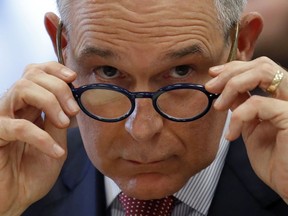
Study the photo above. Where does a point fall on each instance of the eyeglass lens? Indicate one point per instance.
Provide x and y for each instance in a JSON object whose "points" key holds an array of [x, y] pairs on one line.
{"points": [[177, 103]]}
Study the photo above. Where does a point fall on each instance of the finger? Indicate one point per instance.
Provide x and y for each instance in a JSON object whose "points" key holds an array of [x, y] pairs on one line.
{"points": [[12, 130], [259, 109], [53, 68], [26, 93], [54, 77], [58, 87], [236, 89], [59, 135], [262, 72], [223, 73]]}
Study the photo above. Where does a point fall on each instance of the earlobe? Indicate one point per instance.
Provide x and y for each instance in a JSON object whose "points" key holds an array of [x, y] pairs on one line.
{"points": [[51, 24], [250, 28]]}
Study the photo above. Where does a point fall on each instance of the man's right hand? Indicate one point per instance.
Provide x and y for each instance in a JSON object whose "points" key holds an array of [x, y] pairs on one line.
{"points": [[34, 116]]}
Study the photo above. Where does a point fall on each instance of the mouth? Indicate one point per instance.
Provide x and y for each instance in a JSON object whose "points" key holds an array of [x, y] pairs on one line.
{"points": [[151, 164], [145, 163], [148, 160]]}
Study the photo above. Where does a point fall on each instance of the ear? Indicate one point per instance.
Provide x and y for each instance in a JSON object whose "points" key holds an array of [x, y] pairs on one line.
{"points": [[51, 23], [250, 28]]}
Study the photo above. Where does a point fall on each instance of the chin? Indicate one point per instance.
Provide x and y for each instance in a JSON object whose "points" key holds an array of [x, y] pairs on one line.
{"points": [[150, 186]]}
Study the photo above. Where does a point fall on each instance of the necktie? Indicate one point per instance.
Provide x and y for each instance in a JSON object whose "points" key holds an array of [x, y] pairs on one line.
{"points": [[156, 207]]}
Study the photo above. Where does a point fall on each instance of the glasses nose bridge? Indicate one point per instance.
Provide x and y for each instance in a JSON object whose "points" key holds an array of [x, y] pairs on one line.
{"points": [[143, 95]]}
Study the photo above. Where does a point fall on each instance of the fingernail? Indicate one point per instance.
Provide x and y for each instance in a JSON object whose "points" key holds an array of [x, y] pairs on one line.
{"points": [[67, 73], [218, 68], [72, 105], [227, 134], [58, 150], [218, 101], [63, 118]]}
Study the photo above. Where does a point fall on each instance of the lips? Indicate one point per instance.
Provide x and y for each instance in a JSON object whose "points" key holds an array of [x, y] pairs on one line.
{"points": [[145, 163], [152, 164], [146, 160]]}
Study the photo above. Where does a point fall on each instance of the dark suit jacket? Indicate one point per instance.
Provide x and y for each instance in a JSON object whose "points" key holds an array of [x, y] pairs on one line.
{"points": [[79, 190]]}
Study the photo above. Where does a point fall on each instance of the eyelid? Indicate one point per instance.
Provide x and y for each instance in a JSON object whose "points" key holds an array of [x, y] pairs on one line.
{"points": [[100, 69], [190, 67]]}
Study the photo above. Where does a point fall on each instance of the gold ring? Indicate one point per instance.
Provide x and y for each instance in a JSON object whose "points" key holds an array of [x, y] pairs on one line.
{"points": [[275, 82]]}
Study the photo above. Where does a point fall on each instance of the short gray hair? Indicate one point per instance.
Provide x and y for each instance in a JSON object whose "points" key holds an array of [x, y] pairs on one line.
{"points": [[229, 11]]}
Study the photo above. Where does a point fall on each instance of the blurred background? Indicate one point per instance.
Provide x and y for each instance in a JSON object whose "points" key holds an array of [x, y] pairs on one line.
{"points": [[23, 38]]}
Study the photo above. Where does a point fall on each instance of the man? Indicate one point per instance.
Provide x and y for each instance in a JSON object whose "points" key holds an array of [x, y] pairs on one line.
{"points": [[272, 41], [122, 50]]}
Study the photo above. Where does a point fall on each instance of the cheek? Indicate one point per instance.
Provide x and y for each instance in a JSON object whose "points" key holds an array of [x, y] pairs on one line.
{"points": [[98, 139], [202, 139]]}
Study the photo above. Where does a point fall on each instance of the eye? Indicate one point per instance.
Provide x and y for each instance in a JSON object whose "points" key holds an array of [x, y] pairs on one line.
{"points": [[107, 72], [181, 71]]}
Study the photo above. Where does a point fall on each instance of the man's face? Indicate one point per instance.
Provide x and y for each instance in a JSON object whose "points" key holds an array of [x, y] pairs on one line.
{"points": [[143, 46]]}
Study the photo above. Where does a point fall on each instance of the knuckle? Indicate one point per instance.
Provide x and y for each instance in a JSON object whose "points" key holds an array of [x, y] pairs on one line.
{"points": [[43, 138], [19, 89], [263, 59], [235, 117], [255, 99], [265, 64], [230, 65], [19, 126], [20, 86], [232, 84], [29, 66], [50, 99], [30, 70], [62, 87], [62, 91], [22, 83]]}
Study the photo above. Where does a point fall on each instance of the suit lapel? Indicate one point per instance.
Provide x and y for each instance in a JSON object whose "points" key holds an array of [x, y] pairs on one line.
{"points": [[84, 178], [240, 191]]}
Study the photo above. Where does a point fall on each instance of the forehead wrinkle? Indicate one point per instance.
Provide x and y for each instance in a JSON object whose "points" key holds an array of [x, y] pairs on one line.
{"points": [[145, 21], [113, 23], [195, 49]]}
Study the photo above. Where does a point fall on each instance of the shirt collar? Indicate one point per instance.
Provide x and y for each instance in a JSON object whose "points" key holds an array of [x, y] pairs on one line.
{"points": [[112, 190], [198, 192]]}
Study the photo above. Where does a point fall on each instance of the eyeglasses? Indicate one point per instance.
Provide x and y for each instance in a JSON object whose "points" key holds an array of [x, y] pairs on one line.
{"points": [[111, 103]]}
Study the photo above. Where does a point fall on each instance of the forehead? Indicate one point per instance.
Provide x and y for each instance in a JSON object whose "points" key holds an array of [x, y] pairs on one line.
{"points": [[139, 22], [140, 13]]}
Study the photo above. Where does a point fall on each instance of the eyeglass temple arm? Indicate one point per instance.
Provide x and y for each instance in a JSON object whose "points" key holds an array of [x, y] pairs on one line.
{"points": [[59, 43], [234, 38], [59, 47]]}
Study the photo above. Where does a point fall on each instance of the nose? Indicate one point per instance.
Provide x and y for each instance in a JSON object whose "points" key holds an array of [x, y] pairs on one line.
{"points": [[144, 123]]}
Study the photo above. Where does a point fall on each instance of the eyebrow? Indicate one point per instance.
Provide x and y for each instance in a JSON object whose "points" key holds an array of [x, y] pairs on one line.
{"points": [[106, 53], [186, 51], [96, 51]]}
